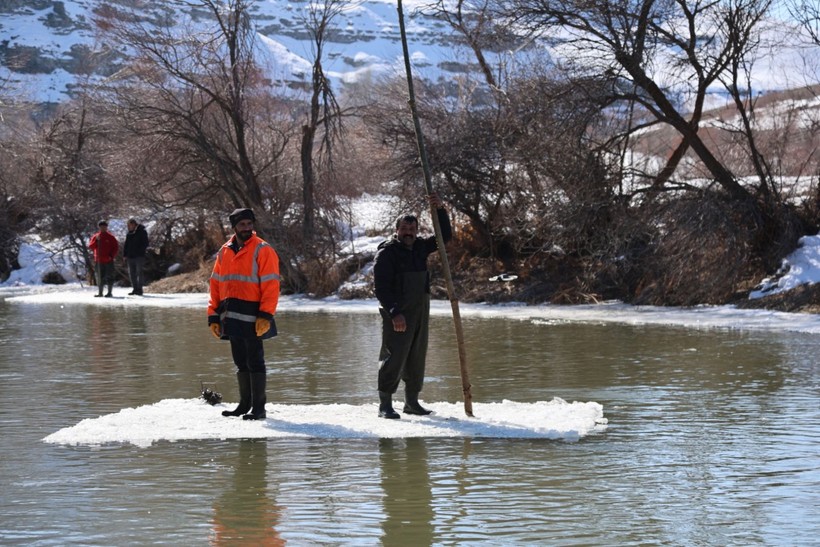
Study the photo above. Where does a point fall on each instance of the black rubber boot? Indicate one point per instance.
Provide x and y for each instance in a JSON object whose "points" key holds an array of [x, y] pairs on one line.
{"points": [[258, 398], [386, 406], [243, 378], [412, 406]]}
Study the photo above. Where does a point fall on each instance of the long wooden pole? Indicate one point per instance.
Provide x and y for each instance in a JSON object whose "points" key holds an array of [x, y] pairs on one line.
{"points": [[445, 264]]}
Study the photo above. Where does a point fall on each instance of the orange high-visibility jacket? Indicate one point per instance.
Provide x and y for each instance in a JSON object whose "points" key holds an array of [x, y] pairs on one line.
{"points": [[244, 285]]}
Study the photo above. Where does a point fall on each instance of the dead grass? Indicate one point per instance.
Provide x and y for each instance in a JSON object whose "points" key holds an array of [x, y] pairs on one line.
{"points": [[190, 282], [802, 299]]}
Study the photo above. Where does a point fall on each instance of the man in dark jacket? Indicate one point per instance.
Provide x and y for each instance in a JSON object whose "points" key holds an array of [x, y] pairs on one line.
{"points": [[402, 286], [136, 243]]}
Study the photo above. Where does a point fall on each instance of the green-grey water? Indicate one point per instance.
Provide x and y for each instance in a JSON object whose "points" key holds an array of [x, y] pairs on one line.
{"points": [[713, 437]]}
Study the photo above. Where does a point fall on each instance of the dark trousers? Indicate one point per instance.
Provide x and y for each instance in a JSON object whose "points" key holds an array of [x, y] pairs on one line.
{"points": [[248, 354], [403, 355], [105, 276], [135, 267]]}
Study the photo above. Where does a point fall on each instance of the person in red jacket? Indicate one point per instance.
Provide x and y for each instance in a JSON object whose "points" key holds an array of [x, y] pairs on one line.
{"points": [[105, 247], [244, 292]]}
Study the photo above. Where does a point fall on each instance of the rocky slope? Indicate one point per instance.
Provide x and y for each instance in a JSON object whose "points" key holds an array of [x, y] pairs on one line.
{"points": [[46, 45]]}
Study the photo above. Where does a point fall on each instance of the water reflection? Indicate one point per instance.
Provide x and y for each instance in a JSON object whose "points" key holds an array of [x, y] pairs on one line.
{"points": [[244, 513], [408, 497]]}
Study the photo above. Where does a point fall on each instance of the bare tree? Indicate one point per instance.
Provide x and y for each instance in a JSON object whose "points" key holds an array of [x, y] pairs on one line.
{"points": [[516, 138], [741, 26], [198, 95], [199, 78], [323, 111], [807, 14], [658, 52], [17, 199], [69, 175], [506, 164], [475, 24]]}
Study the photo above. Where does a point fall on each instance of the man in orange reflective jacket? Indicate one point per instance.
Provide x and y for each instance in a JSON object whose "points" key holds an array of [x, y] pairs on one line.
{"points": [[244, 292]]}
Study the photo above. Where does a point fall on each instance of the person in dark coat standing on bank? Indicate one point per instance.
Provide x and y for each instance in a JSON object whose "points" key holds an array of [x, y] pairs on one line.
{"points": [[402, 286], [244, 293], [136, 243], [105, 247]]}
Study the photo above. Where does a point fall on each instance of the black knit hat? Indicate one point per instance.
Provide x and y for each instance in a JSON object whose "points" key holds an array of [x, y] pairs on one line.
{"points": [[241, 214]]}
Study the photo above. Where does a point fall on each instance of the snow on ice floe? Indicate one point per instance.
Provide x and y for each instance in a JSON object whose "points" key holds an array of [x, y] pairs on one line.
{"points": [[191, 419]]}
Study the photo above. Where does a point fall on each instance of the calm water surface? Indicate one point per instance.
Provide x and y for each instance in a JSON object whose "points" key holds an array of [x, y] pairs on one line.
{"points": [[713, 437]]}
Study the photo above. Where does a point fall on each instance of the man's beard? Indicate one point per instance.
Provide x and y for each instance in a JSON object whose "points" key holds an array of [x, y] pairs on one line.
{"points": [[408, 240], [244, 235]]}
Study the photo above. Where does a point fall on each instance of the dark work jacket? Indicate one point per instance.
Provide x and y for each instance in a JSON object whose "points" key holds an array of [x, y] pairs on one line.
{"points": [[136, 243], [394, 259]]}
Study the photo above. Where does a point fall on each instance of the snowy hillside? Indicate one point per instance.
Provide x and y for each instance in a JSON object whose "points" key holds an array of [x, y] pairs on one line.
{"points": [[43, 43]]}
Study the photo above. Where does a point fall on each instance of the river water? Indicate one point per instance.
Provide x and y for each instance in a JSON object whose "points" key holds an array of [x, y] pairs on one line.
{"points": [[713, 436]]}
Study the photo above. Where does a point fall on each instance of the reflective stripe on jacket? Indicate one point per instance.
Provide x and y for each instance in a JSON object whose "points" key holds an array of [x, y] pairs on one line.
{"points": [[244, 285]]}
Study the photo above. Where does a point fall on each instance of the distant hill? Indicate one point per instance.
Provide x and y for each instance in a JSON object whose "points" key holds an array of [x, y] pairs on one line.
{"points": [[44, 43], [787, 125]]}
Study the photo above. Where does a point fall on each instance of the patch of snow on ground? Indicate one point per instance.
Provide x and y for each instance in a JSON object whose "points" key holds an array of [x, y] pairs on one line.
{"points": [[799, 268]]}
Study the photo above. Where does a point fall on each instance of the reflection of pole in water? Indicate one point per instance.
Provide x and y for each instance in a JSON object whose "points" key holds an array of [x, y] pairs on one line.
{"points": [[244, 514], [408, 496]]}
